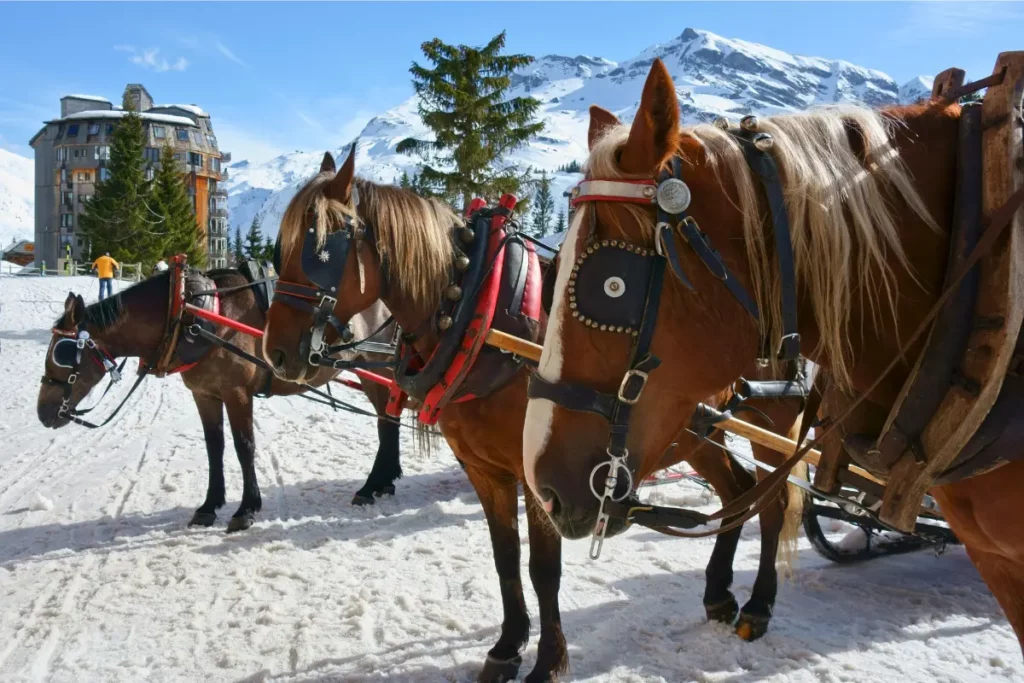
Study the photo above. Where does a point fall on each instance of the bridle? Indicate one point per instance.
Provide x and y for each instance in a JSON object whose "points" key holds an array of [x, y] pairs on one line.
{"points": [[68, 352], [631, 278], [324, 267]]}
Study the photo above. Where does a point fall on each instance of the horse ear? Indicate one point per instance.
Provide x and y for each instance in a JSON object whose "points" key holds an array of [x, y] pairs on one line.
{"points": [[601, 121], [327, 165], [74, 310], [341, 186], [654, 135]]}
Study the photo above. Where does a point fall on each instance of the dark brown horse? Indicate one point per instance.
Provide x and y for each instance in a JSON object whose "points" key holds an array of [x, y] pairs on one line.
{"points": [[870, 200], [132, 323], [414, 237]]}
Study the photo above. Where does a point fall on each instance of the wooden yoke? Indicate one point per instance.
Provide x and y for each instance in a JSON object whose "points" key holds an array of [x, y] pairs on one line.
{"points": [[999, 308]]}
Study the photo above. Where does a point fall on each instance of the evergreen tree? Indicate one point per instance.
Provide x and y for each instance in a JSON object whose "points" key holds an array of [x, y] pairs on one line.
{"points": [[268, 249], [404, 181], [544, 207], [180, 232], [462, 100], [253, 246], [118, 219], [236, 247], [571, 167], [560, 225]]}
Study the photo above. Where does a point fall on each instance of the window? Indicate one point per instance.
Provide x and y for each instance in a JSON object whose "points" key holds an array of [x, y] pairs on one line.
{"points": [[94, 129], [84, 198], [104, 174], [81, 177], [149, 173], [195, 159], [67, 220], [211, 141], [73, 130], [102, 152], [151, 154], [197, 137], [215, 164], [159, 132], [183, 135], [67, 198], [60, 131], [110, 129], [64, 175]]}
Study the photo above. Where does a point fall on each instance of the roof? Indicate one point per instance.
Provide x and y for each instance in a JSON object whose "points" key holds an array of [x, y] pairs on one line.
{"points": [[191, 108], [22, 246], [115, 114], [94, 98]]}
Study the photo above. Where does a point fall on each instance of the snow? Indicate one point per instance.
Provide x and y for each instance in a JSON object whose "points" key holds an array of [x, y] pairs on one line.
{"points": [[715, 76], [110, 585], [194, 109], [93, 98], [17, 198], [120, 114]]}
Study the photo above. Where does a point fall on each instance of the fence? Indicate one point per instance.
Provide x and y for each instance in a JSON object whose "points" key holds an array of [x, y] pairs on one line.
{"points": [[129, 271]]}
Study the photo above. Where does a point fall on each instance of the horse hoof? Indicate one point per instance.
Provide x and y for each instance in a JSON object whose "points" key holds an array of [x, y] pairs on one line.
{"points": [[361, 500], [388, 490], [750, 627], [724, 612], [203, 519], [500, 670], [240, 523]]}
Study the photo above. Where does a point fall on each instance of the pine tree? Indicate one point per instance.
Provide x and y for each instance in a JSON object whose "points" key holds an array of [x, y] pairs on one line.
{"points": [[544, 207], [180, 232], [236, 247], [560, 225], [268, 249], [253, 246], [404, 181], [462, 100], [571, 167], [118, 219]]}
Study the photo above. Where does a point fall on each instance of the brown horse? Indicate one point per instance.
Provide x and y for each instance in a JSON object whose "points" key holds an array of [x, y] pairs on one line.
{"points": [[132, 323], [413, 237], [870, 200]]}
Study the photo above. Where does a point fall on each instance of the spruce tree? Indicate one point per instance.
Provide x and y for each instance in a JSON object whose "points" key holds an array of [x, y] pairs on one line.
{"points": [[253, 246], [236, 247], [268, 249], [118, 219], [404, 181], [181, 233], [544, 207], [463, 101], [560, 225]]}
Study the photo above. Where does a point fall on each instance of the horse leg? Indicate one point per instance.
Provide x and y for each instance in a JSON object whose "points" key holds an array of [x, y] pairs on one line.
{"points": [[240, 417], [546, 576], [498, 496], [211, 414], [387, 465], [713, 465]]}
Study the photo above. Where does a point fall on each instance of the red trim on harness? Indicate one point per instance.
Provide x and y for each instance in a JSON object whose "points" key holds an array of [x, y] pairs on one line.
{"points": [[483, 315]]}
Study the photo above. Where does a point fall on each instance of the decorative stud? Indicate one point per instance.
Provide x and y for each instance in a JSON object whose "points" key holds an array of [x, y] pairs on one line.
{"points": [[572, 305], [650, 191], [462, 262], [722, 123], [614, 287], [764, 142], [748, 123], [444, 322], [576, 315], [466, 235], [634, 333], [604, 328], [454, 292]]}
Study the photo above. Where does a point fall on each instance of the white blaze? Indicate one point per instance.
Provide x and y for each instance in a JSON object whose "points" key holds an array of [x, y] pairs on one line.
{"points": [[540, 412]]}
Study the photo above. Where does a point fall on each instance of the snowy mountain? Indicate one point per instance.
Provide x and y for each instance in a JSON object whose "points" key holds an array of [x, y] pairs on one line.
{"points": [[17, 197], [714, 77]]}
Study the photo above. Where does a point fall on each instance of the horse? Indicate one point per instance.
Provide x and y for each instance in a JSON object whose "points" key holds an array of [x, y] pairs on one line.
{"points": [[870, 198], [398, 248], [132, 323]]}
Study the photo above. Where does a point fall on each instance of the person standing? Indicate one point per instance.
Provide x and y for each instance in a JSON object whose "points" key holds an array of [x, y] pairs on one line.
{"points": [[104, 267]]}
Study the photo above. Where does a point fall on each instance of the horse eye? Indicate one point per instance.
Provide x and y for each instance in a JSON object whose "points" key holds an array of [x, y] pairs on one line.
{"points": [[614, 287]]}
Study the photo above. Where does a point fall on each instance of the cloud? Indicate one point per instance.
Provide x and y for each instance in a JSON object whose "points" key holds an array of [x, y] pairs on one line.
{"points": [[226, 51], [150, 58]]}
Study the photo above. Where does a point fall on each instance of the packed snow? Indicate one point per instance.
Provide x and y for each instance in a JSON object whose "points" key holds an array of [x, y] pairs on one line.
{"points": [[714, 76], [17, 198], [100, 580]]}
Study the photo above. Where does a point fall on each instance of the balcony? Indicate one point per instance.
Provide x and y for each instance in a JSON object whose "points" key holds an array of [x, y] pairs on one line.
{"points": [[225, 157], [219, 192], [219, 213]]}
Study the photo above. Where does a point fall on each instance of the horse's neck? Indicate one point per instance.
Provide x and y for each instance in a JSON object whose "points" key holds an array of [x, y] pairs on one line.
{"points": [[369, 321], [139, 329]]}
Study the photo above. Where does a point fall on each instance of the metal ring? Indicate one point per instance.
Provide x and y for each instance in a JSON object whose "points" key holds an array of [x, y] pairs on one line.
{"points": [[614, 465]]}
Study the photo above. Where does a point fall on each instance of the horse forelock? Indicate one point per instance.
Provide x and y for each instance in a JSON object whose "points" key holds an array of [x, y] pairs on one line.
{"points": [[838, 195]]}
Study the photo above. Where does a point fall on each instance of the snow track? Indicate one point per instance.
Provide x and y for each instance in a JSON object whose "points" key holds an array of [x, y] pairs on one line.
{"points": [[108, 584]]}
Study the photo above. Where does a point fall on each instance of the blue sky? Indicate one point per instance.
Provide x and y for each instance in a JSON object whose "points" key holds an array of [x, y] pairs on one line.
{"points": [[280, 77]]}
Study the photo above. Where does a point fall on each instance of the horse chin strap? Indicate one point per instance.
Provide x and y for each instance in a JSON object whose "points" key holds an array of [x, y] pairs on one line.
{"points": [[619, 311]]}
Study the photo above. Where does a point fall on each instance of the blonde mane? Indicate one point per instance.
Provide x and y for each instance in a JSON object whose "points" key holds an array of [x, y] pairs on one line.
{"points": [[833, 200], [413, 235]]}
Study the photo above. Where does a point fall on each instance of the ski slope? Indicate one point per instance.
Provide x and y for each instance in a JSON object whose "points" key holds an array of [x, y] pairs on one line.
{"points": [[100, 580]]}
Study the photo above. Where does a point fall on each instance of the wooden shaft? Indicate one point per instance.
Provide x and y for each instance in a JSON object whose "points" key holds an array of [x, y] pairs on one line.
{"points": [[753, 433]]}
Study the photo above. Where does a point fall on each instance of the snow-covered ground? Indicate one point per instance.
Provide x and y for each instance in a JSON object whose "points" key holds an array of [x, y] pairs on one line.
{"points": [[100, 580]]}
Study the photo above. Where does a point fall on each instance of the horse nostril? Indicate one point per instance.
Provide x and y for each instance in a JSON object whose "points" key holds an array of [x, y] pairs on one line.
{"points": [[277, 358], [550, 501]]}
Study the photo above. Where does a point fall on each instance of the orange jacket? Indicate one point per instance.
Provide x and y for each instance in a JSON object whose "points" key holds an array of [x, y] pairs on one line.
{"points": [[105, 266]]}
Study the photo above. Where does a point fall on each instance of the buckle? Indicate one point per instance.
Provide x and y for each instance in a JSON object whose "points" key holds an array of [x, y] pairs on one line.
{"points": [[633, 398], [327, 297]]}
